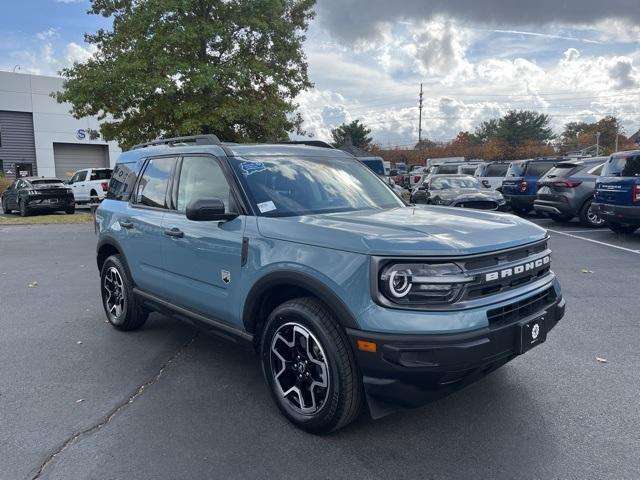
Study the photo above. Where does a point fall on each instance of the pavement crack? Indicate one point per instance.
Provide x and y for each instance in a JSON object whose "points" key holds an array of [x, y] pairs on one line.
{"points": [[113, 412]]}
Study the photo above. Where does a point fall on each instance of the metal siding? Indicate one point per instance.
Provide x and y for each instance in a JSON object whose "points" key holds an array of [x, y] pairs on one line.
{"points": [[70, 157], [18, 145]]}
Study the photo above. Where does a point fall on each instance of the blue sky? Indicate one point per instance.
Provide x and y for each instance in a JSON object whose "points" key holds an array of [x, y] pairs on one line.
{"points": [[368, 57]]}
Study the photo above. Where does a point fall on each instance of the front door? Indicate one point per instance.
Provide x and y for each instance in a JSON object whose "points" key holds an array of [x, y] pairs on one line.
{"points": [[203, 258], [141, 225], [78, 185]]}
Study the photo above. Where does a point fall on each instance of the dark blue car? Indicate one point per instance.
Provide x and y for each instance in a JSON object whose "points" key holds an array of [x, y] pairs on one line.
{"points": [[617, 198], [521, 183]]}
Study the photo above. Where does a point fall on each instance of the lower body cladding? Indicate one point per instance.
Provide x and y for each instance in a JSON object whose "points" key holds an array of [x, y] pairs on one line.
{"points": [[629, 215], [408, 371]]}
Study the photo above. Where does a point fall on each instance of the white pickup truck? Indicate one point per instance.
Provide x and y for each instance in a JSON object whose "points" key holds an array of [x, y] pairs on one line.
{"points": [[90, 184]]}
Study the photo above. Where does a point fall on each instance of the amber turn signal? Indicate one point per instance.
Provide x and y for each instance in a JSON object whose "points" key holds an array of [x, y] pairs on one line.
{"points": [[366, 346]]}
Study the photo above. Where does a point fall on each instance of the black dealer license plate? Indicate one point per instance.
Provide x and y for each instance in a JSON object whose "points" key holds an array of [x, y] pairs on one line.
{"points": [[531, 333]]}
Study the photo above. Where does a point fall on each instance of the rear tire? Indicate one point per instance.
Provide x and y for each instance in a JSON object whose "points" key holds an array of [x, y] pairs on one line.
{"points": [[119, 303], [310, 368], [622, 228], [5, 209], [70, 210], [588, 218], [22, 208]]}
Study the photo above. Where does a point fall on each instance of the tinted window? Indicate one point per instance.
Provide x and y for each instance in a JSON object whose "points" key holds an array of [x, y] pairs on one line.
{"points": [[470, 170], [202, 177], [78, 177], [376, 165], [622, 167], [122, 181], [516, 169], [447, 169], [152, 188], [562, 170], [537, 169], [496, 170], [101, 174], [286, 186], [595, 171], [47, 182]]}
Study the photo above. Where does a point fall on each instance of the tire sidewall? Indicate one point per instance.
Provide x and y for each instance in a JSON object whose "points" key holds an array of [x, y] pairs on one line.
{"points": [[585, 216], [322, 420], [22, 208], [115, 262]]}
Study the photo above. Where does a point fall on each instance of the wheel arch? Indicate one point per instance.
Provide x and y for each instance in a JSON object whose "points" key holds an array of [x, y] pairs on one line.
{"points": [[275, 288], [107, 247]]}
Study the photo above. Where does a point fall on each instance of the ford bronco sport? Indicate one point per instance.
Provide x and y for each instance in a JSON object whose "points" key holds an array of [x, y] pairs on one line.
{"points": [[347, 294]]}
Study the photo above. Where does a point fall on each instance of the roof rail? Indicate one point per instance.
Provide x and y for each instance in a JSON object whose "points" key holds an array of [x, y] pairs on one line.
{"points": [[311, 143], [196, 139]]}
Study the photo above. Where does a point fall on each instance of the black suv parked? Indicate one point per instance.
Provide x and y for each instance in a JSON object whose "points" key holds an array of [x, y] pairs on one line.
{"points": [[566, 191]]}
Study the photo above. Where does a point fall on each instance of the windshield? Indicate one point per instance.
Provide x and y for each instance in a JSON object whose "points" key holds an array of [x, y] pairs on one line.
{"points": [[622, 167], [445, 183], [447, 169], [562, 170], [290, 186], [468, 170], [46, 182]]}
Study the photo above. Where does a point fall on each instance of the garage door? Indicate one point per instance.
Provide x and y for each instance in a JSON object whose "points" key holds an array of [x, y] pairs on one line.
{"points": [[69, 157]]}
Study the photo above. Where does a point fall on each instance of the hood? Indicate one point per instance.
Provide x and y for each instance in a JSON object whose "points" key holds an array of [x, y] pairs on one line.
{"points": [[419, 230], [467, 193]]}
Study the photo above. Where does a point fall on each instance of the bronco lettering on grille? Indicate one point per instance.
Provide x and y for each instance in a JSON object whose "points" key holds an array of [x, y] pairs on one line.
{"points": [[518, 269]]}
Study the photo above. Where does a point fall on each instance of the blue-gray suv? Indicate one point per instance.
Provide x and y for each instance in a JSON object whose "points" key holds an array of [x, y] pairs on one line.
{"points": [[348, 295]]}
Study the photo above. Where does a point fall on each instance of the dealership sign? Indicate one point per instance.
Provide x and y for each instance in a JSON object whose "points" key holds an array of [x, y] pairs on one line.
{"points": [[81, 134]]}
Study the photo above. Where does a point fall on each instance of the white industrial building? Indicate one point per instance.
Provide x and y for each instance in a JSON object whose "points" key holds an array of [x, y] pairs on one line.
{"points": [[38, 136]]}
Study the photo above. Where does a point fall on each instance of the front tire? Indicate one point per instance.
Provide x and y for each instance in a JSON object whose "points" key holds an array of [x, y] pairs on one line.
{"points": [[22, 208], [622, 228], [119, 303], [70, 210], [310, 368], [5, 209]]}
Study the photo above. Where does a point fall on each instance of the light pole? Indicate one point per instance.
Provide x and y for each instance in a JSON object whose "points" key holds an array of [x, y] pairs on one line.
{"points": [[17, 67], [597, 144]]}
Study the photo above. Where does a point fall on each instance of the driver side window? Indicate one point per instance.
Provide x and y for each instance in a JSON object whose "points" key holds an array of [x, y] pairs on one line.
{"points": [[203, 177]]}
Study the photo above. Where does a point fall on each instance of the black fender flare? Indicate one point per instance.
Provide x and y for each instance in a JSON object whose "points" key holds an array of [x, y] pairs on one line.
{"points": [[313, 285]]}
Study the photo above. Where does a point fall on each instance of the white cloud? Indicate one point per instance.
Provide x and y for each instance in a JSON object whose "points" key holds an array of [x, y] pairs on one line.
{"points": [[77, 53]]}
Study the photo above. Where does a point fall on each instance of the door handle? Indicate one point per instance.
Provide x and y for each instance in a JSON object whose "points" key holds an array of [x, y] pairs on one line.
{"points": [[174, 232], [125, 224]]}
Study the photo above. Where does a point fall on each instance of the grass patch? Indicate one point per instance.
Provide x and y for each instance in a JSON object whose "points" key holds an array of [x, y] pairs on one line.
{"points": [[59, 218]]}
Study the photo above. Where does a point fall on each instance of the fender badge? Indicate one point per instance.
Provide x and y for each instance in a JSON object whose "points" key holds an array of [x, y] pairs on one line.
{"points": [[226, 276]]}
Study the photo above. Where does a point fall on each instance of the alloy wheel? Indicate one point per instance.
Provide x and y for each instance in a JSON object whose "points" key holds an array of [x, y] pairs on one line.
{"points": [[299, 368], [115, 300], [594, 219]]}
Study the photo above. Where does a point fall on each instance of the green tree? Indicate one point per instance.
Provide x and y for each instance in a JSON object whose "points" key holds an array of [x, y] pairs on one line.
{"points": [[578, 135], [517, 128], [355, 133], [183, 67]]}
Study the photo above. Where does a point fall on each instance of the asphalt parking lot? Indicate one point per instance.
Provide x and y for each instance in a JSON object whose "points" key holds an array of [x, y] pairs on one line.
{"points": [[79, 400]]}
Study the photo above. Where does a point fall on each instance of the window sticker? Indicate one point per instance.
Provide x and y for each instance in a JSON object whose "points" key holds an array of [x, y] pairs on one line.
{"points": [[252, 167], [265, 207]]}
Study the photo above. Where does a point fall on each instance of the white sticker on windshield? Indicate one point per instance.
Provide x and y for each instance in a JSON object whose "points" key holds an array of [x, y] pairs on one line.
{"points": [[265, 207]]}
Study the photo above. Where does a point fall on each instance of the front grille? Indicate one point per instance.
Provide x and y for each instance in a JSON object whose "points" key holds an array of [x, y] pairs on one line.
{"points": [[479, 204], [521, 309]]}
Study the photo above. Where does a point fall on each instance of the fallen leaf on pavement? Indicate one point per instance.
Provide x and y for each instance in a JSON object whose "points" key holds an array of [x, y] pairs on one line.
{"points": [[32, 284], [601, 360], [79, 342], [586, 270], [80, 400]]}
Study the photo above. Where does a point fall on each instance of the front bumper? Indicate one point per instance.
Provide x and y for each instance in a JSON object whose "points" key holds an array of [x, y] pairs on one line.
{"points": [[412, 370], [626, 214], [519, 201]]}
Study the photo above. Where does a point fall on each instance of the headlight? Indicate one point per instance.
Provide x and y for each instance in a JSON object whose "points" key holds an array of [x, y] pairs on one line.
{"points": [[422, 283]]}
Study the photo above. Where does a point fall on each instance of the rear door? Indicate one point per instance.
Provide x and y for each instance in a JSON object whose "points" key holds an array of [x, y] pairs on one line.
{"points": [[78, 184], [203, 258]]}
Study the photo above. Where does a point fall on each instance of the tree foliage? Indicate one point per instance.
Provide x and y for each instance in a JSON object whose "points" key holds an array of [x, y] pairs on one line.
{"points": [[579, 135], [182, 67], [355, 133], [517, 128]]}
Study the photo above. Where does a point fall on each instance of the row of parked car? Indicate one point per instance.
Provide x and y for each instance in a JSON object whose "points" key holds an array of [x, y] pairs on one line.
{"points": [[28, 195], [598, 191]]}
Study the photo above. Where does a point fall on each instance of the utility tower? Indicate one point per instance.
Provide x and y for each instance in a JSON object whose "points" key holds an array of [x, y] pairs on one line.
{"points": [[420, 117]]}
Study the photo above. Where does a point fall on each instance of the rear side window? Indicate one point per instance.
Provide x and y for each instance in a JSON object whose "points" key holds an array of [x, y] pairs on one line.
{"points": [[497, 170], [537, 169], [470, 170], [122, 181], [516, 169], [152, 187], [101, 174], [376, 165], [622, 167]]}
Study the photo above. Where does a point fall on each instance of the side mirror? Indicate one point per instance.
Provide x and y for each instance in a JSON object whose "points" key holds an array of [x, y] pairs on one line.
{"points": [[208, 209]]}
